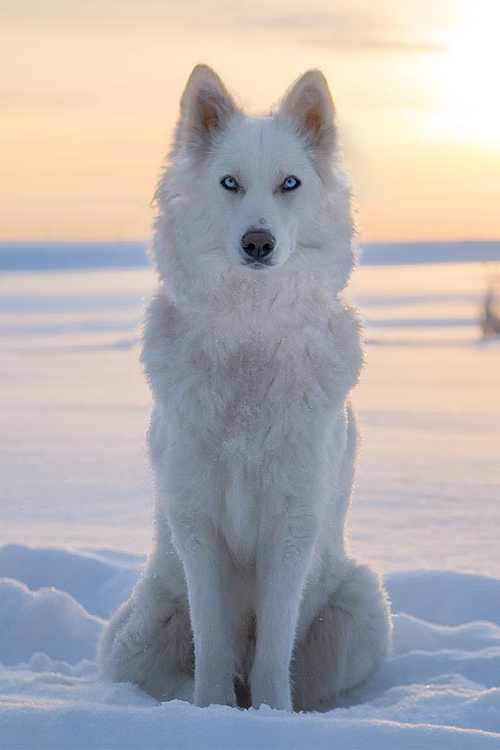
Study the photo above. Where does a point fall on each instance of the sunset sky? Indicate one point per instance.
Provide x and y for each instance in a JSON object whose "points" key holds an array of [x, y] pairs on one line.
{"points": [[89, 95]]}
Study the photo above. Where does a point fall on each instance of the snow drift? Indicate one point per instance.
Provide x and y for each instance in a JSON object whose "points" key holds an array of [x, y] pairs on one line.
{"points": [[437, 689]]}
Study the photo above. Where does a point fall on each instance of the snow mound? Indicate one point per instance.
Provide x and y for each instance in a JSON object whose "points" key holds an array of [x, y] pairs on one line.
{"points": [[445, 597], [439, 688], [46, 620], [95, 581]]}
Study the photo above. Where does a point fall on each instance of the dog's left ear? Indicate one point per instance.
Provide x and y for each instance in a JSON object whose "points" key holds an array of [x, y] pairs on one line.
{"points": [[308, 106], [206, 107]]}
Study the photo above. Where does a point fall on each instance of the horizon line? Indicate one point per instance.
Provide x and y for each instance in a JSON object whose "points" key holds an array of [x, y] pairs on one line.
{"points": [[144, 241]]}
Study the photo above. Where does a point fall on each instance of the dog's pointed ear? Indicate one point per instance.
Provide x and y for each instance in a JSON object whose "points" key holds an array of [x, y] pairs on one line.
{"points": [[308, 107], [206, 107]]}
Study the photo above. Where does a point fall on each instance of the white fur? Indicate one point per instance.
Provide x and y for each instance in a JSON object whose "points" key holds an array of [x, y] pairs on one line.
{"points": [[252, 438]]}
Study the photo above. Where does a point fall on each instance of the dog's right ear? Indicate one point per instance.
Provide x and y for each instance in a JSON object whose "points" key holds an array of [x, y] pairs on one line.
{"points": [[206, 108]]}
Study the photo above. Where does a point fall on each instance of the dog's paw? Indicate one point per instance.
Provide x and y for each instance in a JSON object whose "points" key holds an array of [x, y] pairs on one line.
{"points": [[272, 692], [214, 697], [214, 694]]}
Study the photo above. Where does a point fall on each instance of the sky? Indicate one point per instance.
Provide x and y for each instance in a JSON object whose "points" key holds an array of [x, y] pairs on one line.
{"points": [[89, 96]]}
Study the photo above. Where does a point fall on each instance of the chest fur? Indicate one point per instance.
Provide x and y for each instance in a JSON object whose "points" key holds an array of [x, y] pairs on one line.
{"points": [[241, 382]]}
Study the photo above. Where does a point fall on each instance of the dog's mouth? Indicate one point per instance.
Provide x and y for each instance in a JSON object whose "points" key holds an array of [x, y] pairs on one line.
{"points": [[259, 264]]}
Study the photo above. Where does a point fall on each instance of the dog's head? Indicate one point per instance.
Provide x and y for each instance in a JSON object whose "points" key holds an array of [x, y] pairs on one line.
{"points": [[252, 194]]}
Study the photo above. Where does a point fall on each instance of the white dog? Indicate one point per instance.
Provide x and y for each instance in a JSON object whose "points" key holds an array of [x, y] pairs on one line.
{"points": [[251, 356]]}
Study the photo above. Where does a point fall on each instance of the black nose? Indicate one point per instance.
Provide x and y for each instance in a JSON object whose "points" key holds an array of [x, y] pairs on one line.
{"points": [[258, 243]]}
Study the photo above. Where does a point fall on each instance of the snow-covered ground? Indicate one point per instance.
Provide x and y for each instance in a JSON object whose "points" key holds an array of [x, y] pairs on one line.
{"points": [[76, 502]]}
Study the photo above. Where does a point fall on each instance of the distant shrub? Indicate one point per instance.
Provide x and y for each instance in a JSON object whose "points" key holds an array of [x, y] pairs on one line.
{"points": [[490, 314]]}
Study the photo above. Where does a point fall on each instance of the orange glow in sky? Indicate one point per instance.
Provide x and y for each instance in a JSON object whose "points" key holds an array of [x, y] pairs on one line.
{"points": [[89, 96]]}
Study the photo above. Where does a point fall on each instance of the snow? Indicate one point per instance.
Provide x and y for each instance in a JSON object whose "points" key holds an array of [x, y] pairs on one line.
{"points": [[76, 507]]}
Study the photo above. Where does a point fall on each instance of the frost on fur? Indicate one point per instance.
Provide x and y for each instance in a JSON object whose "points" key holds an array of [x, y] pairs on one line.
{"points": [[249, 596]]}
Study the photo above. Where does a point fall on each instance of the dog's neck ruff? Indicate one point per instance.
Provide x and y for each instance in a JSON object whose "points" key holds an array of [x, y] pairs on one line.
{"points": [[254, 297]]}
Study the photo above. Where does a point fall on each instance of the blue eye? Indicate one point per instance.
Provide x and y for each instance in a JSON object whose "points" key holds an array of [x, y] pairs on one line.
{"points": [[291, 183], [229, 183]]}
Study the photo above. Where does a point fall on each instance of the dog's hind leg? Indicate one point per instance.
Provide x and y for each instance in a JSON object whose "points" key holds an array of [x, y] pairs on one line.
{"points": [[148, 641], [347, 639]]}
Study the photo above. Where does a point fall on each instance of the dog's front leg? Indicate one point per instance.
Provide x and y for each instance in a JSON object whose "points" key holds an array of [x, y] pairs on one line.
{"points": [[204, 557], [282, 565]]}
